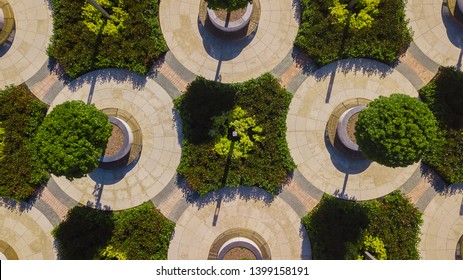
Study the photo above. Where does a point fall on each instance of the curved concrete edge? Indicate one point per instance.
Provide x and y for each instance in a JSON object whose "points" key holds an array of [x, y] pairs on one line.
{"points": [[342, 127], [232, 26], [128, 140]]}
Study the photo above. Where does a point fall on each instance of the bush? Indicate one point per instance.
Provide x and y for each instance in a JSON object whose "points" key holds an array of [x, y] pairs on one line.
{"points": [[387, 228], [71, 139], [209, 113], [21, 113], [230, 5], [396, 130], [444, 97], [329, 32], [83, 40], [140, 233]]}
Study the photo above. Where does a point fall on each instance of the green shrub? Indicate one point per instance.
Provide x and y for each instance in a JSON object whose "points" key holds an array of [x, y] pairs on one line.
{"points": [[72, 138], [230, 5], [130, 39], [205, 110], [21, 113], [444, 97], [329, 32], [140, 233], [396, 130], [387, 228]]}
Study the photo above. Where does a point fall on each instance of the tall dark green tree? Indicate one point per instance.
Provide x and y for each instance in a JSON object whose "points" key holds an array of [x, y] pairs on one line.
{"points": [[396, 131], [71, 139]]}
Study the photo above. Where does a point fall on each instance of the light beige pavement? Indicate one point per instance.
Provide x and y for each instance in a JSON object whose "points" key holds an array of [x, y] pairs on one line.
{"points": [[200, 52], [436, 32], [327, 169], [443, 225], [276, 222], [27, 54], [152, 108], [25, 234]]}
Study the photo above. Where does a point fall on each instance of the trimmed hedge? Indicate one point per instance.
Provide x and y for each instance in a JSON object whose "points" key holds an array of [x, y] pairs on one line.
{"points": [[340, 229], [325, 40], [21, 113], [266, 165], [140, 233], [135, 47], [444, 97]]}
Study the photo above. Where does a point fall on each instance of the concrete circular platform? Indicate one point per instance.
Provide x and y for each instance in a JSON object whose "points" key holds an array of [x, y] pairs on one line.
{"points": [[203, 54], [276, 223], [152, 108], [25, 233], [436, 32], [319, 162], [27, 54], [442, 226]]}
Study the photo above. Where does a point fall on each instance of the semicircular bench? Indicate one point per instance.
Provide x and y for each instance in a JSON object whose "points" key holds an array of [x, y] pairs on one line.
{"points": [[6, 21]]}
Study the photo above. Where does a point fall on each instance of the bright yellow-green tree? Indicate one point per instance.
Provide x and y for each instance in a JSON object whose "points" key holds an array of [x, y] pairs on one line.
{"points": [[357, 13]]}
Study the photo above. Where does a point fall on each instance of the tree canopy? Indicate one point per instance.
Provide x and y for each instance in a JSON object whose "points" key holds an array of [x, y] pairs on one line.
{"points": [[71, 139], [395, 131]]}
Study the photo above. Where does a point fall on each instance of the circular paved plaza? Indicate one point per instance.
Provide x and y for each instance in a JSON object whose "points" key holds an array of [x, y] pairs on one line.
{"points": [[27, 54], [277, 223], [443, 226], [327, 169], [204, 55], [25, 234], [152, 108], [436, 32]]}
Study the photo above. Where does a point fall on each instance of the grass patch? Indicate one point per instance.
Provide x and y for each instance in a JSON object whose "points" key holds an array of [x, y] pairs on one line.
{"points": [[444, 97], [140, 233], [327, 35], [388, 228], [257, 156], [83, 40], [21, 113]]}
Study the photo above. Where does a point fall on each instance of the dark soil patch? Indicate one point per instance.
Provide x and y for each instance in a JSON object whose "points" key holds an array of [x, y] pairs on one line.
{"points": [[351, 127], [239, 253], [115, 142]]}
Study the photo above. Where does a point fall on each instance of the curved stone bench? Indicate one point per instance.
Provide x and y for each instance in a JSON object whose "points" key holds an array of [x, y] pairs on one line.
{"points": [[233, 25], [128, 140], [342, 127], [6, 21]]}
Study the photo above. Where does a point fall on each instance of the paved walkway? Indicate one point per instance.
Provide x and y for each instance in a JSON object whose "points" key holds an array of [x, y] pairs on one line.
{"points": [[327, 169], [27, 54], [194, 52], [206, 218], [207, 56], [152, 108], [436, 32], [25, 232]]}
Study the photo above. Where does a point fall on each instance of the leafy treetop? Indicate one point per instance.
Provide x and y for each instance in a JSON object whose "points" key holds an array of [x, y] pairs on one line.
{"points": [[396, 130], [71, 139]]}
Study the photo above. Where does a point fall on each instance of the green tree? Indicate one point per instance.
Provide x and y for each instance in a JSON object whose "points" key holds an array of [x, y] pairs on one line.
{"points": [[71, 139], [229, 5], [396, 131]]}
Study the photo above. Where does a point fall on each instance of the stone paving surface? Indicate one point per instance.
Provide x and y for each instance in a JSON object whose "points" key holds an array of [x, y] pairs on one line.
{"points": [[193, 51], [205, 55], [152, 108], [27, 232], [323, 166], [27, 54], [202, 222], [436, 32], [443, 225]]}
